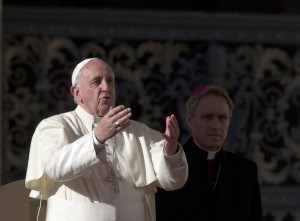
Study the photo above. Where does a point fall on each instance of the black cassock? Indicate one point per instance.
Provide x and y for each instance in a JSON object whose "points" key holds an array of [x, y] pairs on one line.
{"points": [[234, 197]]}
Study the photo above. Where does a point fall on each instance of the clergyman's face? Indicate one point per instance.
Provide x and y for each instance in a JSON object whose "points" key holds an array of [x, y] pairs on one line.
{"points": [[96, 89], [210, 123]]}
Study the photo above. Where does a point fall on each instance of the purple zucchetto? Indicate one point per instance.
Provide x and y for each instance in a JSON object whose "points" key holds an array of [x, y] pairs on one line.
{"points": [[198, 90]]}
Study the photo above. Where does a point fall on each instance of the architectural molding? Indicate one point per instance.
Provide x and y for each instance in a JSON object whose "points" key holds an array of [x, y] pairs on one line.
{"points": [[159, 25]]}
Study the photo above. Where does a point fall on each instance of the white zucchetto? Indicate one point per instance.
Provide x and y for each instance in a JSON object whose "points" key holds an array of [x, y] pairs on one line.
{"points": [[78, 68]]}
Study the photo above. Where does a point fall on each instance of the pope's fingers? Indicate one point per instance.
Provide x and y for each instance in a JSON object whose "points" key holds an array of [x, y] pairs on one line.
{"points": [[173, 125], [173, 117], [115, 110], [174, 120], [122, 117]]}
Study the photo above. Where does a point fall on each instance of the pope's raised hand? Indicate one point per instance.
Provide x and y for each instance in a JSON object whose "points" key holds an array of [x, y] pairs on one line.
{"points": [[113, 122], [171, 135]]}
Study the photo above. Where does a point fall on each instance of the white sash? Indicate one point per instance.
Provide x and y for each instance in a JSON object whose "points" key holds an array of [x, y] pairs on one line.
{"points": [[64, 210]]}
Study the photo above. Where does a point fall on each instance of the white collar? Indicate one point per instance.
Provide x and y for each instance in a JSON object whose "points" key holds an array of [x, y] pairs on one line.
{"points": [[87, 119], [210, 154]]}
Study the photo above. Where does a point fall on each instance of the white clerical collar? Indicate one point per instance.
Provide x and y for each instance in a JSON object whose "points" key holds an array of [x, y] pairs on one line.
{"points": [[210, 154], [89, 119]]}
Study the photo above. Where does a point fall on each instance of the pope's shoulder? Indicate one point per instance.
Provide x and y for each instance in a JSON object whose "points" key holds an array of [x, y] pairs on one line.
{"points": [[69, 117]]}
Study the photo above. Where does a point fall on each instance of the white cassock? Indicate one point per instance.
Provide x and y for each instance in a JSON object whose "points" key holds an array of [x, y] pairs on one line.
{"points": [[119, 183]]}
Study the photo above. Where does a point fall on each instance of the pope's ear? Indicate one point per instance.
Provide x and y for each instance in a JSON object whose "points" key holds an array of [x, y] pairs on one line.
{"points": [[74, 91]]}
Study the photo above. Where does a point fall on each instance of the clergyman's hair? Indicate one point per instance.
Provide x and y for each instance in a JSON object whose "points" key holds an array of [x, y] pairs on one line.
{"points": [[201, 92]]}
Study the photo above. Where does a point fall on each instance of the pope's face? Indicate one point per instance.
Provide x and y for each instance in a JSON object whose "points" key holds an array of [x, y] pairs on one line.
{"points": [[96, 89], [210, 123]]}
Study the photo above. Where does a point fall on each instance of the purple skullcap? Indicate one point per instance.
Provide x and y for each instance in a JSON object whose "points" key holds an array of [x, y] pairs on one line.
{"points": [[78, 68], [198, 90]]}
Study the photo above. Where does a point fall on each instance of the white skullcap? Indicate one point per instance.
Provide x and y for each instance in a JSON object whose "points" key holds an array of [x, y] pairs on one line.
{"points": [[78, 68]]}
